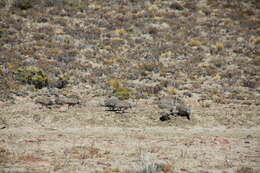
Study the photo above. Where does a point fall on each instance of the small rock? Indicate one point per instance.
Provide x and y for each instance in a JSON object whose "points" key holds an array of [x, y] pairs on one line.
{"points": [[221, 140]]}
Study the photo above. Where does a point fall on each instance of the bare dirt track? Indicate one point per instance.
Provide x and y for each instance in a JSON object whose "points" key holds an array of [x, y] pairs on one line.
{"points": [[96, 148], [89, 139]]}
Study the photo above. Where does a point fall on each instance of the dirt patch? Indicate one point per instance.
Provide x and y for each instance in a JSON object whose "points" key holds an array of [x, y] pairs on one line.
{"points": [[90, 139], [130, 149]]}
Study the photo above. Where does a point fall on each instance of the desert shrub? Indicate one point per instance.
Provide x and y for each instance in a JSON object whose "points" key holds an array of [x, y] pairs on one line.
{"points": [[190, 5], [250, 83], [51, 3], [256, 60], [155, 167], [149, 66], [245, 170], [23, 4], [2, 3], [58, 81], [114, 83], [217, 47], [176, 6], [218, 61], [194, 42], [118, 90], [32, 76], [121, 93], [4, 155], [256, 40], [68, 57], [7, 83], [197, 42], [114, 60], [171, 90], [151, 89], [3, 32]]}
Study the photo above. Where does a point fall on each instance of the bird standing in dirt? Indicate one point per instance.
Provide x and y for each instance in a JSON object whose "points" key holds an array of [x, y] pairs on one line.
{"points": [[173, 105], [114, 104]]}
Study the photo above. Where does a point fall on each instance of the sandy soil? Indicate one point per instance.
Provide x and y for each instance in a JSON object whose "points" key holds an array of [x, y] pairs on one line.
{"points": [[87, 138]]}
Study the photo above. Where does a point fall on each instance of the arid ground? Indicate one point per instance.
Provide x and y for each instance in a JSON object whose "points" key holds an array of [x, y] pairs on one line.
{"points": [[60, 59], [90, 139]]}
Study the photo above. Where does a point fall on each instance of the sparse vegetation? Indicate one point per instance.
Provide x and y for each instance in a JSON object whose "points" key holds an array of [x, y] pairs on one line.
{"points": [[144, 39], [206, 52], [23, 4], [32, 76], [256, 40], [4, 156], [118, 90]]}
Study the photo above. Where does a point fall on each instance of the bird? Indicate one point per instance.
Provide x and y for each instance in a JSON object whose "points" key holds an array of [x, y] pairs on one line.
{"points": [[173, 105], [183, 110], [117, 105]]}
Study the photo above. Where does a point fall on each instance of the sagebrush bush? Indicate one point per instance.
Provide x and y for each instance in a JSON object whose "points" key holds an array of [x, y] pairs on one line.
{"points": [[121, 93], [23, 4], [2, 3], [118, 90], [32, 76]]}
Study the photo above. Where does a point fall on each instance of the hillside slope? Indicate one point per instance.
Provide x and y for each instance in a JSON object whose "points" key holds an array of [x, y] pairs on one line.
{"points": [[60, 60]]}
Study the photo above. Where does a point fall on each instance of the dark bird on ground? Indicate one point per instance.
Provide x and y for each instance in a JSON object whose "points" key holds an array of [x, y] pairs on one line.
{"points": [[114, 104]]}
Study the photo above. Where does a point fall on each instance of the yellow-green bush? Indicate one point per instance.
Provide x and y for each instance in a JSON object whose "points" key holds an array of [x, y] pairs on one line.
{"points": [[3, 32], [32, 76], [121, 93], [114, 83], [118, 90], [23, 4], [149, 66]]}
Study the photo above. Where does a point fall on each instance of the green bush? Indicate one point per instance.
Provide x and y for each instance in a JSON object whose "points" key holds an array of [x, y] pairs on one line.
{"points": [[121, 93], [32, 76], [118, 90], [23, 4], [2, 33]]}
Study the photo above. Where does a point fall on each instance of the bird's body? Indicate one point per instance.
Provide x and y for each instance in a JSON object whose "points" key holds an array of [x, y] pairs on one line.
{"points": [[67, 100], [114, 104], [173, 105], [183, 110]]}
